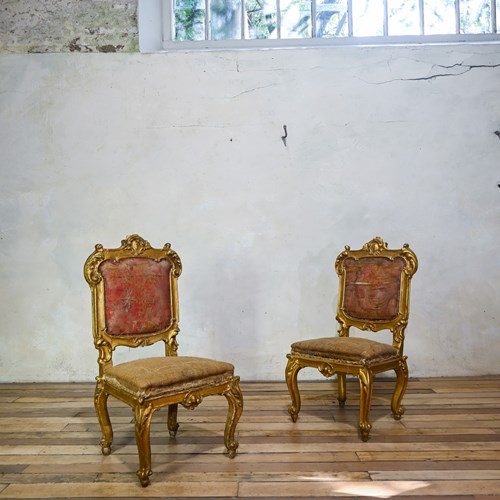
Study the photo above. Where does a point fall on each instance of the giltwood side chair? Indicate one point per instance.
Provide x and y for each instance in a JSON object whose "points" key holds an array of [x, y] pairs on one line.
{"points": [[374, 295], [135, 303]]}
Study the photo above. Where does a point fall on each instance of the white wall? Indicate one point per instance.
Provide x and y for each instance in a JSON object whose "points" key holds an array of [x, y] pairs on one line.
{"points": [[187, 148]]}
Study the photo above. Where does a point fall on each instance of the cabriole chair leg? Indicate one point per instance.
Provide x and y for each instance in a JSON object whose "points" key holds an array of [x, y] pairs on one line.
{"points": [[399, 389], [291, 372], [365, 393], [101, 408], [341, 383], [172, 420], [143, 414], [235, 408]]}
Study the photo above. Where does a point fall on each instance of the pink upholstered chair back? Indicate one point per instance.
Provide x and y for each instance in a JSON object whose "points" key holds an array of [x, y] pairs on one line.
{"points": [[137, 298], [374, 288], [134, 296]]}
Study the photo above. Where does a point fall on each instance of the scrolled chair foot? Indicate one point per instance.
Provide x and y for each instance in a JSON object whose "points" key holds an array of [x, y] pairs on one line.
{"points": [[173, 431], [105, 447], [399, 413], [293, 413], [364, 431], [143, 475], [231, 449]]}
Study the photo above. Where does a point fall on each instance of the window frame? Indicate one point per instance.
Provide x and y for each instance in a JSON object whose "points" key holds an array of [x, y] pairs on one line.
{"points": [[165, 11]]}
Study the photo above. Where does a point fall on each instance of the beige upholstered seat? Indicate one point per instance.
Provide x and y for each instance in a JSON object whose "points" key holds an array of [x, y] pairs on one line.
{"points": [[348, 349], [374, 294], [135, 303], [164, 376]]}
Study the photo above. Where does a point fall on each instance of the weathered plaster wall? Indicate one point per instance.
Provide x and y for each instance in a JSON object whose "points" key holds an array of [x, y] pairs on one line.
{"points": [[397, 142], [68, 26]]}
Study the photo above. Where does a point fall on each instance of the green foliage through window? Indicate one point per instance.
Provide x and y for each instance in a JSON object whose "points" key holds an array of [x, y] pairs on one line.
{"points": [[288, 19], [189, 20]]}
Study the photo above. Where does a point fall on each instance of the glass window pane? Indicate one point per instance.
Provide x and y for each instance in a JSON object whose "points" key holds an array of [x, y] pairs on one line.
{"points": [[439, 17], [498, 16], [331, 18], [367, 17], [225, 19], [189, 20], [295, 18], [404, 17], [475, 16], [260, 19]]}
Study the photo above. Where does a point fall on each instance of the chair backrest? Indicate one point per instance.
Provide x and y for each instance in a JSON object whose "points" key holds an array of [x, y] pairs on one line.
{"points": [[374, 289], [134, 296]]}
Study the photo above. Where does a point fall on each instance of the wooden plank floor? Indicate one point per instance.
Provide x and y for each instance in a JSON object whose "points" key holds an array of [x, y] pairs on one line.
{"points": [[447, 445]]}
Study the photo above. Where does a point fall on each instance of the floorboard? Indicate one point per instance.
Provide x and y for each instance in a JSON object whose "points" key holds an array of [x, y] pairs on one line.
{"points": [[447, 445]]}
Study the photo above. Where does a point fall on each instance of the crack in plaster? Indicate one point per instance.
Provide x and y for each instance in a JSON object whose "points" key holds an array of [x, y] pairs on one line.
{"points": [[254, 89], [466, 69]]}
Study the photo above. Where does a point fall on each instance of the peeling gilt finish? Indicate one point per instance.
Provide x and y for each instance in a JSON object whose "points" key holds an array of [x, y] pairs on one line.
{"points": [[331, 364], [136, 247]]}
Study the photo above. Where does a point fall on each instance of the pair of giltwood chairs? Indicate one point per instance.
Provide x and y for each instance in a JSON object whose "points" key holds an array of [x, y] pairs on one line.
{"points": [[135, 303]]}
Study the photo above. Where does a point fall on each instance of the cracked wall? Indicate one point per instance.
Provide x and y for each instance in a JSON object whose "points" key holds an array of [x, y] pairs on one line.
{"points": [[68, 26], [397, 142]]}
